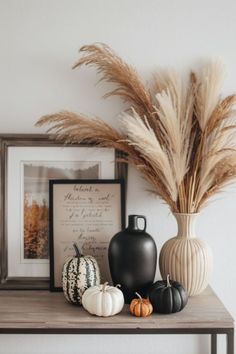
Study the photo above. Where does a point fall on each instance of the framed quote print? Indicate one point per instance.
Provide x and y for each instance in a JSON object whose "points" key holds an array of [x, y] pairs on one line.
{"points": [[85, 212], [28, 162]]}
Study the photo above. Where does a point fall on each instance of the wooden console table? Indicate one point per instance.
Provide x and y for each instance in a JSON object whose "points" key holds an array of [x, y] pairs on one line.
{"points": [[42, 312]]}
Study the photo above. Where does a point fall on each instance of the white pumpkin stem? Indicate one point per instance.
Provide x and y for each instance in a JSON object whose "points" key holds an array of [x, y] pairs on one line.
{"points": [[104, 286], [139, 296], [168, 281], [118, 286]]}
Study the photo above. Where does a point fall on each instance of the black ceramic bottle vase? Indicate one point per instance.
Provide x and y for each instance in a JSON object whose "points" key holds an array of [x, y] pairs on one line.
{"points": [[132, 258]]}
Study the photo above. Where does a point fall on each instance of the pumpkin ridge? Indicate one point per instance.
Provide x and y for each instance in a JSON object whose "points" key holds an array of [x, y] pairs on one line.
{"points": [[176, 296], [77, 295], [141, 308], [68, 281], [93, 273], [161, 297], [73, 278], [88, 273], [64, 281], [138, 308], [132, 305], [94, 270], [97, 308], [170, 298], [113, 299]]}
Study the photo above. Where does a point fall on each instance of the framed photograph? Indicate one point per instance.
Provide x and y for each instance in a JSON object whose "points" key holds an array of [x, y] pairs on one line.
{"points": [[88, 213], [28, 162]]}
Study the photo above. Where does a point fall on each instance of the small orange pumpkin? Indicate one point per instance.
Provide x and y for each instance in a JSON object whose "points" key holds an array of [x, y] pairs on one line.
{"points": [[140, 307]]}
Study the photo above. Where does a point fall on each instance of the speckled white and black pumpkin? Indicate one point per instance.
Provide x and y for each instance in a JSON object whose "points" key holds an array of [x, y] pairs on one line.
{"points": [[79, 273]]}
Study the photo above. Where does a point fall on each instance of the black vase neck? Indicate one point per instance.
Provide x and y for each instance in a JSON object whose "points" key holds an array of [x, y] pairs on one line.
{"points": [[133, 223]]}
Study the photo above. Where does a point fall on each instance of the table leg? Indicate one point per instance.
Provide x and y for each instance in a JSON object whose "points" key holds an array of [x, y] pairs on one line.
{"points": [[230, 341], [214, 343]]}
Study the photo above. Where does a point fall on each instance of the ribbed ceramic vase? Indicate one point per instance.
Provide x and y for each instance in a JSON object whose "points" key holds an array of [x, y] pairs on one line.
{"points": [[187, 258]]}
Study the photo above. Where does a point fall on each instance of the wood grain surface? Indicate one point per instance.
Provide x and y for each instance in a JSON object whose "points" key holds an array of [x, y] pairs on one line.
{"points": [[45, 312]]}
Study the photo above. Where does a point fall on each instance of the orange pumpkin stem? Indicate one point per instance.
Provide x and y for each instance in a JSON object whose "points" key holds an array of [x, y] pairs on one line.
{"points": [[139, 296]]}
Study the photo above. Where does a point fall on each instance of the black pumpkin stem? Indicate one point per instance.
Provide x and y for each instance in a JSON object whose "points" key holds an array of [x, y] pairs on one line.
{"points": [[168, 281], [77, 251]]}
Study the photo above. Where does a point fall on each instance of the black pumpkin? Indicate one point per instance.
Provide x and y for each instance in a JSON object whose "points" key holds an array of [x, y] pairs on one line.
{"points": [[167, 296]]}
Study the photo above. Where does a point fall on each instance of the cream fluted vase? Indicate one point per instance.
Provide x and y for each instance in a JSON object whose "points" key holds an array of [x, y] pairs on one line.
{"points": [[186, 258]]}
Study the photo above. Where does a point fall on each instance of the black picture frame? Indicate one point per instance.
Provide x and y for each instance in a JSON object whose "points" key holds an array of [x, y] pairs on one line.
{"points": [[7, 141], [52, 184]]}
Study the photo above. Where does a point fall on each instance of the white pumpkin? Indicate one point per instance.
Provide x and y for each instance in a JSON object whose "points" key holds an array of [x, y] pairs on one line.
{"points": [[103, 300]]}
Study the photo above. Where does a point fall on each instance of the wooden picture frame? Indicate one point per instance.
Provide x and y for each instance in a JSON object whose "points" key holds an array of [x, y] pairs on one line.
{"points": [[39, 147], [85, 212]]}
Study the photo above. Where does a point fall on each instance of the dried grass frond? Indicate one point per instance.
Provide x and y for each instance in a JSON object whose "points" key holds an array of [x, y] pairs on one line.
{"points": [[174, 109], [73, 128], [142, 137], [182, 138], [113, 69], [224, 110], [209, 83], [78, 128], [219, 147], [223, 176]]}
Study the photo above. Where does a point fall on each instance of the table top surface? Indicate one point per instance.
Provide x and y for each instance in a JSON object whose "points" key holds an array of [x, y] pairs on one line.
{"points": [[22, 311]]}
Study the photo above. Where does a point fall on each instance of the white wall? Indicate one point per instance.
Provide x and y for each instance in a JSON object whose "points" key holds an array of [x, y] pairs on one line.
{"points": [[39, 40]]}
